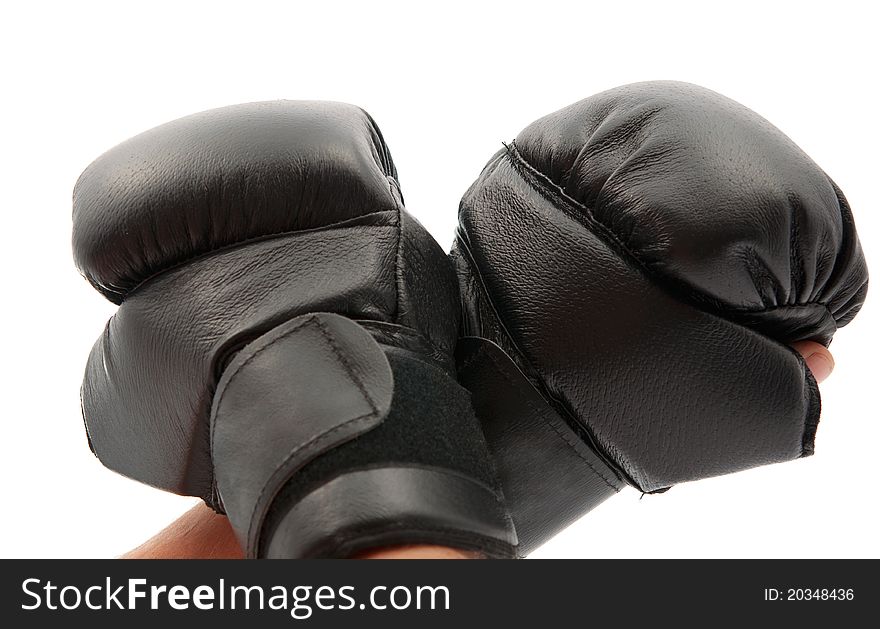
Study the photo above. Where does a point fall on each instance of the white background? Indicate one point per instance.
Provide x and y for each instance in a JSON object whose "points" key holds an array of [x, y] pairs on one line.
{"points": [[446, 85]]}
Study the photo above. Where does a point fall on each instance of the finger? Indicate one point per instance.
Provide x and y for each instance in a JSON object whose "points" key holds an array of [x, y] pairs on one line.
{"points": [[197, 534], [818, 358], [419, 551]]}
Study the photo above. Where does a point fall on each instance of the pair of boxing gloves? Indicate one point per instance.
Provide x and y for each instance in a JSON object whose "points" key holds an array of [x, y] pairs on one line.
{"points": [[293, 347]]}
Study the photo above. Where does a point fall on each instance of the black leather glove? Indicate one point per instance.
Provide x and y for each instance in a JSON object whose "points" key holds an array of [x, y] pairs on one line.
{"points": [[632, 267], [282, 347]]}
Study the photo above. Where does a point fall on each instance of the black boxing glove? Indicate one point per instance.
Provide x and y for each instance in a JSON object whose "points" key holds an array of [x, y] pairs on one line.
{"points": [[283, 343], [632, 267]]}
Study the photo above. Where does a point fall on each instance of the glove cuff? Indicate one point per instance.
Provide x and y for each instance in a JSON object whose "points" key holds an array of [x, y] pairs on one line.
{"points": [[326, 443], [388, 506]]}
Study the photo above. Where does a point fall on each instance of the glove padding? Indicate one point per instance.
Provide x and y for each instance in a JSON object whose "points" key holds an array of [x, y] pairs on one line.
{"points": [[283, 343], [632, 267]]}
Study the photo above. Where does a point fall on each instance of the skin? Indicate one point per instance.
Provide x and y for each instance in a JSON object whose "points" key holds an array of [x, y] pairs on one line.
{"points": [[202, 534]]}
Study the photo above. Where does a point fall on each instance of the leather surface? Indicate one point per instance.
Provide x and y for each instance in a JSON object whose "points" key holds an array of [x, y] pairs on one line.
{"points": [[641, 257], [306, 386], [423, 505], [531, 444], [221, 177], [713, 201], [430, 426], [215, 228], [670, 393], [214, 233], [151, 376]]}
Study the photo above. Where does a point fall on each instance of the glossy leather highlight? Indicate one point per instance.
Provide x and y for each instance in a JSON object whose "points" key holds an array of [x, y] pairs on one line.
{"points": [[268, 277], [641, 258]]}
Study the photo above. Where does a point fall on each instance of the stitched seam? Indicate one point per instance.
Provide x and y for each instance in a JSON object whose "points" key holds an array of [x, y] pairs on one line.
{"points": [[124, 294], [795, 260], [282, 467], [540, 414], [478, 280], [349, 371], [345, 364], [246, 362], [564, 437], [398, 266], [589, 219], [482, 291]]}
